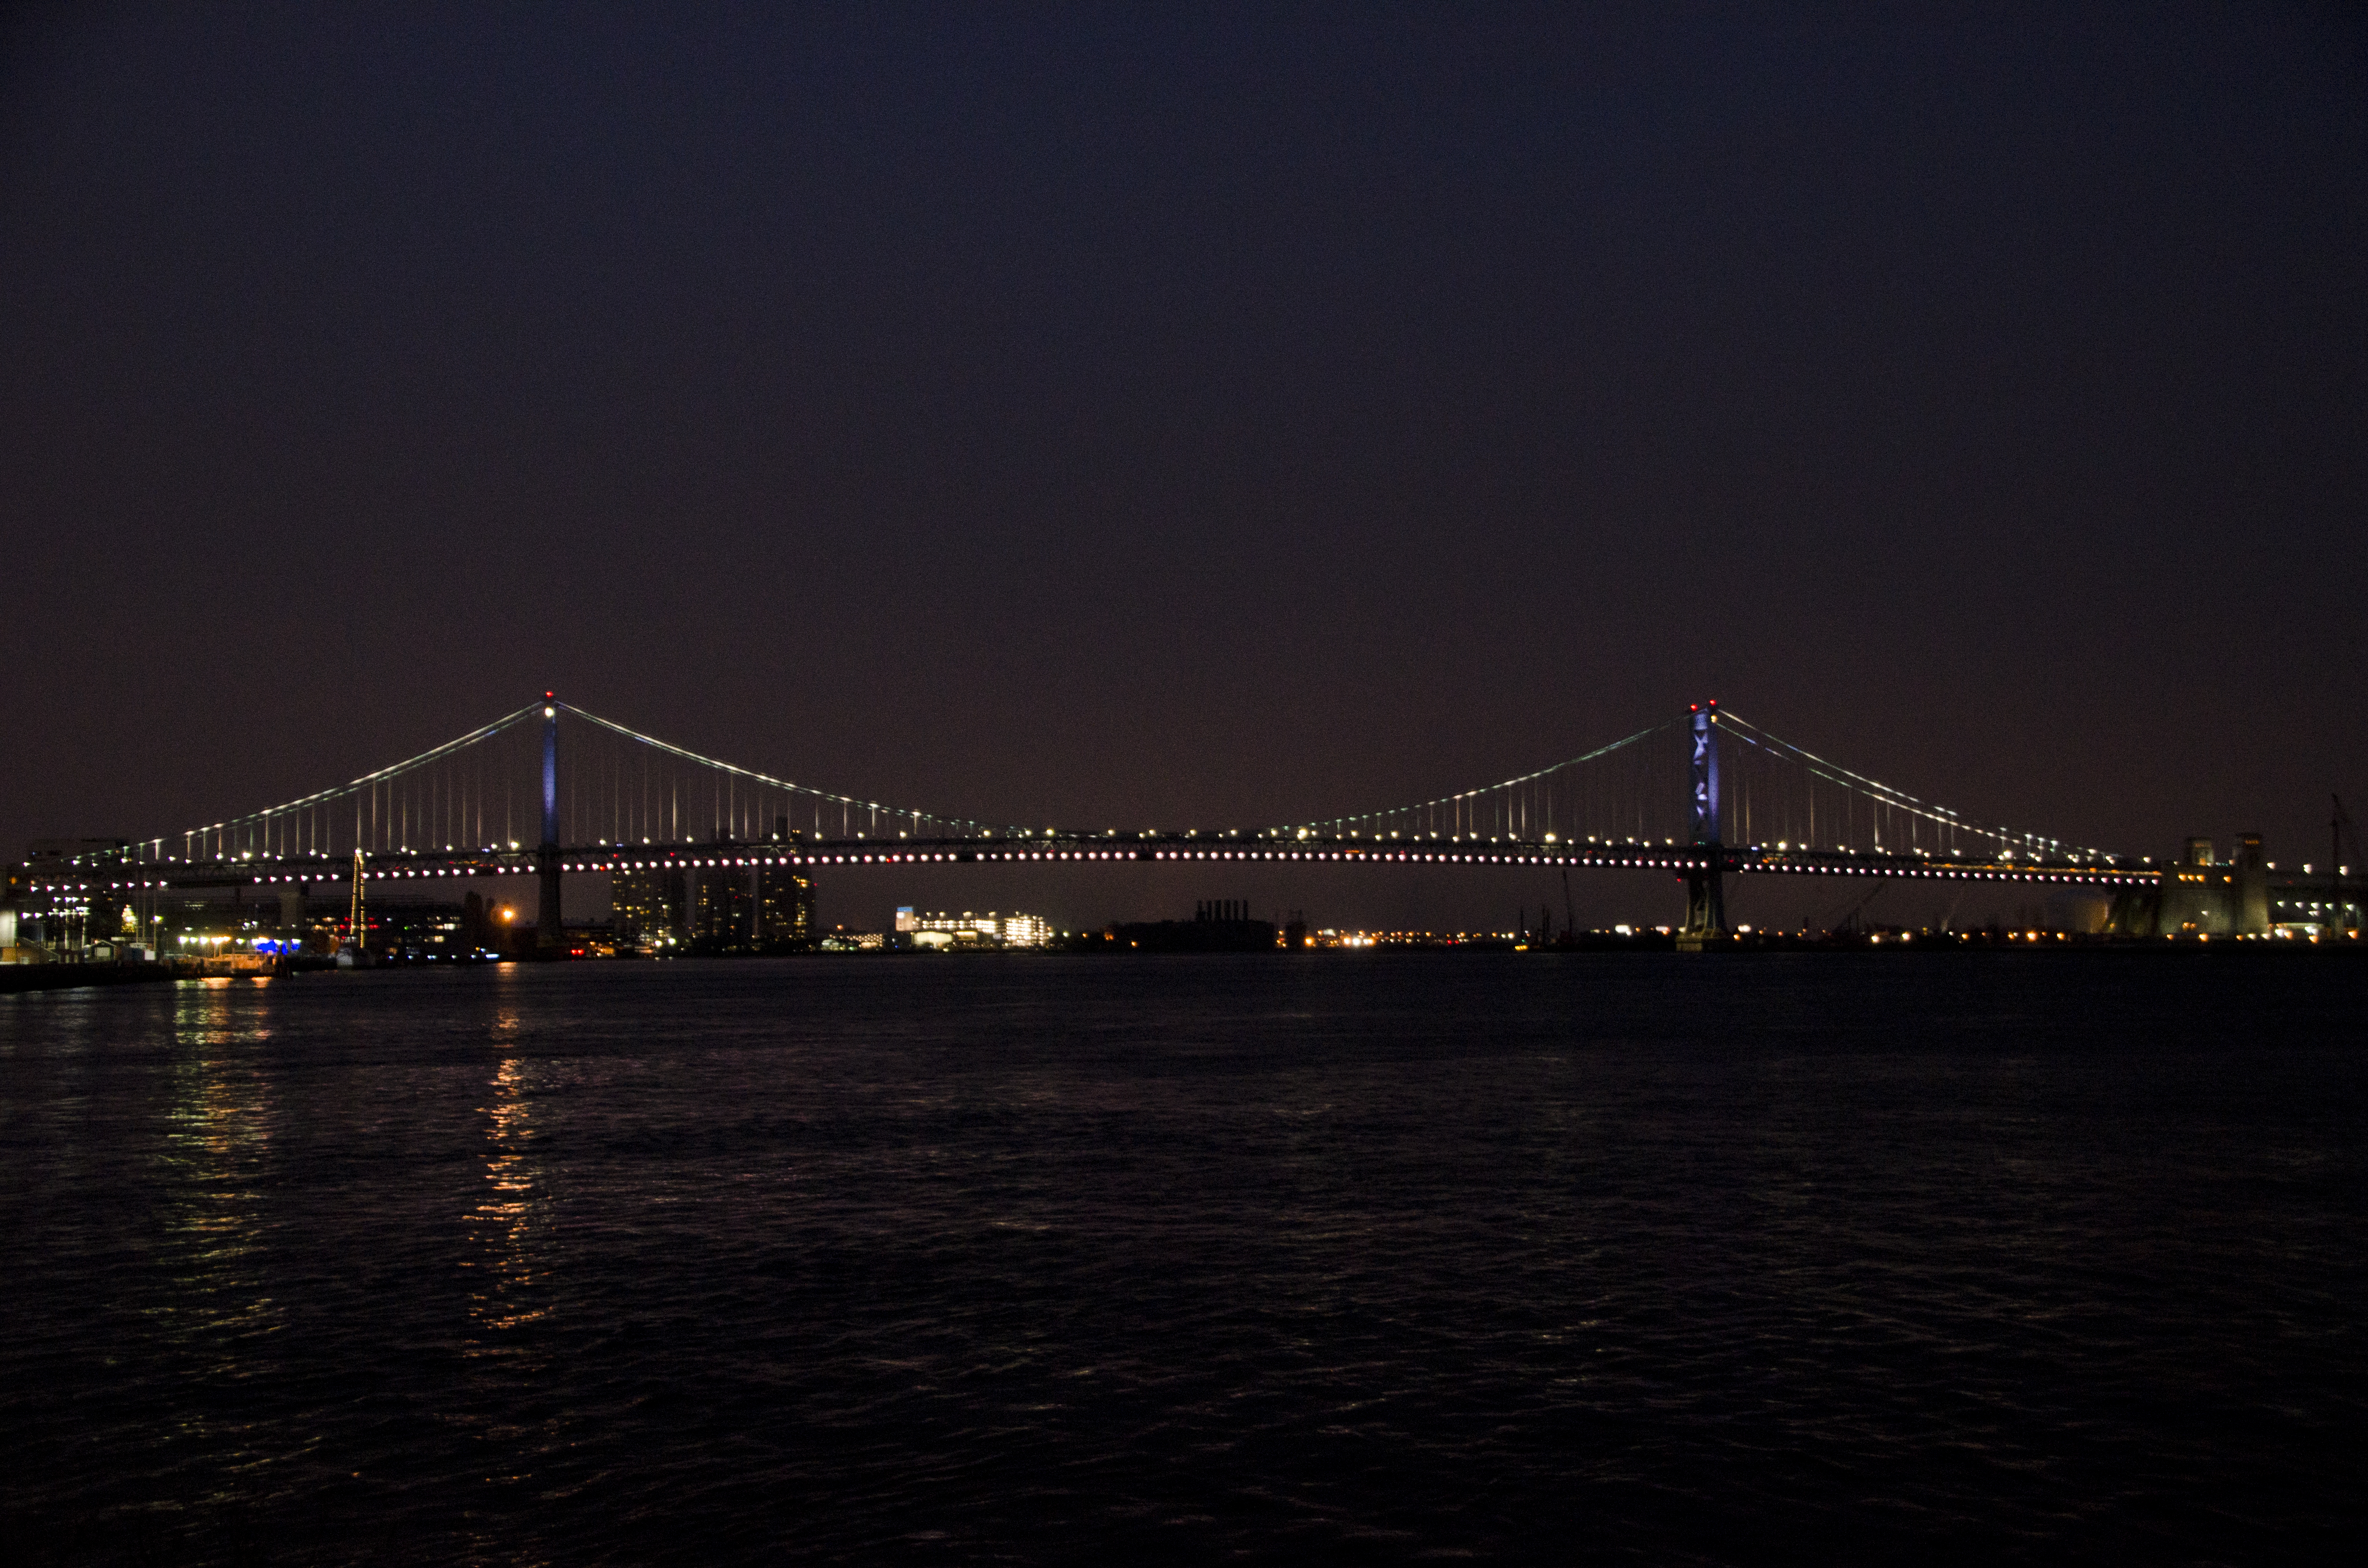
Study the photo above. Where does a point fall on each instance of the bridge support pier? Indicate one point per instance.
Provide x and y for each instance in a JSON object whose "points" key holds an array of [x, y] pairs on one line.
{"points": [[1705, 909], [550, 928], [1705, 886]]}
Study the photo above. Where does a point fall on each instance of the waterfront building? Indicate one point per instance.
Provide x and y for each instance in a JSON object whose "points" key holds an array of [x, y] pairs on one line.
{"points": [[785, 908], [721, 908], [1218, 926], [2200, 895], [936, 928], [646, 907]]}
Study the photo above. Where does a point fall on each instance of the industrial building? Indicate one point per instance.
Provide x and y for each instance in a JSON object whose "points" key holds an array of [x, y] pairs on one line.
{"points": [[2200, 895]]}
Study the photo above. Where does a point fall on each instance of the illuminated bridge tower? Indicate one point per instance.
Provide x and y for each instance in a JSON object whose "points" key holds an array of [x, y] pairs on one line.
{"points": [[550, 934], [1705, 892]]}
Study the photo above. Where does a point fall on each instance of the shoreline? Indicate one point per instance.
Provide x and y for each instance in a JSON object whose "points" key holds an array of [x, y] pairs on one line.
{"points": [[25, 979]]}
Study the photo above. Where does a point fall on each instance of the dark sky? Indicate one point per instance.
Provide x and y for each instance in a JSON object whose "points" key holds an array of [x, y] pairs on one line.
{"points": [[1220, 415]]}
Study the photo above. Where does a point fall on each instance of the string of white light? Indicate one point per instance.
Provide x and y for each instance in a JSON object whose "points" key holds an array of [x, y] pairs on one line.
{"points": [[1898, 800], [1341, 824], [340, 791], [782, 784]]}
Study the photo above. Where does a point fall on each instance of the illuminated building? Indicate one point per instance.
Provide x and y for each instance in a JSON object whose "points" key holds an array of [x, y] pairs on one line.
{"points": [[2200, 895], [940, 929], [719, 911], [646, 906], [785, 908]]}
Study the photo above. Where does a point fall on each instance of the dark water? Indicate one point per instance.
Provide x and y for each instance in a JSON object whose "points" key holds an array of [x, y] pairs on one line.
{"points": [[941, 1259]]}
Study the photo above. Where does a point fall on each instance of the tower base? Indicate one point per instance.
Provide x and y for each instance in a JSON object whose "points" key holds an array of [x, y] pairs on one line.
{"points": [[1705, 924]]}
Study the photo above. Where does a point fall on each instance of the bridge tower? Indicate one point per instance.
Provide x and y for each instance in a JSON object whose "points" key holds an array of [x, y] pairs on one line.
{"points": [[1705, 888], [550, 935]]}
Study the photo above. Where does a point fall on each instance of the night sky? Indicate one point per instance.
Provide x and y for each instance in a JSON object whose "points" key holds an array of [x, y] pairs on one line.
{"points": [[1192, 416]]}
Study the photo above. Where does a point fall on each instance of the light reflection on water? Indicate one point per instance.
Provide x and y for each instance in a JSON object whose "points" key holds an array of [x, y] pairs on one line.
{"points": [[215, 1160], [507, 1219]]}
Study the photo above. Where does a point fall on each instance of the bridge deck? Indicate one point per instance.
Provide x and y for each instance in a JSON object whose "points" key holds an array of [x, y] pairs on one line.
{"points": [[1056, 848]]}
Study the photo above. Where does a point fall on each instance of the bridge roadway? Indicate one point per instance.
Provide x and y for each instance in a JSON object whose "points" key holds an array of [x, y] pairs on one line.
{"points": [[1059, 846]]}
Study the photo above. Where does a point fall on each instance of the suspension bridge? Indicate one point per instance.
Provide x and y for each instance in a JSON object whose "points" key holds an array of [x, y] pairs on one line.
{"points": [[551, 789]]}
